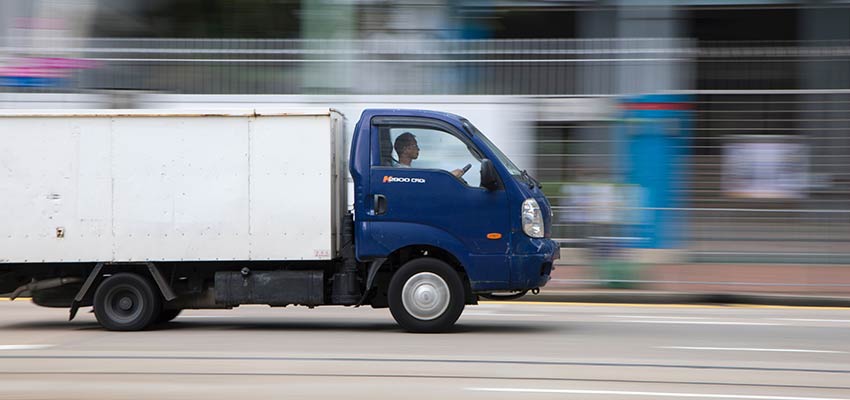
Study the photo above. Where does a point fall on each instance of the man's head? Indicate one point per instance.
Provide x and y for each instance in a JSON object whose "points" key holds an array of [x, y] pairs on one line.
{"points": [[406, 147]]}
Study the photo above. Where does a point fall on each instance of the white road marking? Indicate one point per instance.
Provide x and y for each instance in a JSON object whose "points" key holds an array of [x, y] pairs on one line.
{"points": [[652, 394], [24, 346], [206, 316], [653, 317], [702, 322], [750, 349], [811, 319]]}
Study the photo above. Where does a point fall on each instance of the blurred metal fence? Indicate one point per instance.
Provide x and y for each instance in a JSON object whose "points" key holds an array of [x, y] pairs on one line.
{"points": [[492, 67], [766, 172], [769, 176], [483, 67], [765, 178]]}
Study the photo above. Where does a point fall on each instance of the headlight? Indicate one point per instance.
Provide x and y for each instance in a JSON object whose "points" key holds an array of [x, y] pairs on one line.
{"points": [[532, 219]]}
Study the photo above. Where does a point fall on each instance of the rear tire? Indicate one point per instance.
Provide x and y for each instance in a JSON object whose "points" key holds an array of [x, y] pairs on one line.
{"points": [[126, 302], [426, 295]]}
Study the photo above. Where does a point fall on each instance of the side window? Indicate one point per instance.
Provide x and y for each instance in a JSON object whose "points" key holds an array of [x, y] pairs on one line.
{"points": [[414, 147]]}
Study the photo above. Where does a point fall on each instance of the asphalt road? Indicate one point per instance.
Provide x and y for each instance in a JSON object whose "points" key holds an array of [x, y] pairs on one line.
{"points": [[498, 351]]}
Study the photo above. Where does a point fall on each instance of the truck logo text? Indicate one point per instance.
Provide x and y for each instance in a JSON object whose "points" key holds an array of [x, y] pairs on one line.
{"points": [[397, 179]]}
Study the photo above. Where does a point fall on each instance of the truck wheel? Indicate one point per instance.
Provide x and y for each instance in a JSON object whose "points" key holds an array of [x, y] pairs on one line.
{"points": [[426, 295], [168, 315], [126, 302]]}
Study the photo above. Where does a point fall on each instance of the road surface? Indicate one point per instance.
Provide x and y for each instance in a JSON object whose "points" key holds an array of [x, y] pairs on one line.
{"points": [[498, 351]]}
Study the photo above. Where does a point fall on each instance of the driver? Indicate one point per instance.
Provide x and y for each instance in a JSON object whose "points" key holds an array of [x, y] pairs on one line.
{"points": [[408, 150]]}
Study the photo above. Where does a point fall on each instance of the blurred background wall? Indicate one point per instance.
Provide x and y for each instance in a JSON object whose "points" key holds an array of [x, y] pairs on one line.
{"points": [[712, 135]]}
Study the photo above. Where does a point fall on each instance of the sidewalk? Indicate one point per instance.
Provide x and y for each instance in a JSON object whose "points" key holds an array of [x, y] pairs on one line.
{"points": [[784, 284]]}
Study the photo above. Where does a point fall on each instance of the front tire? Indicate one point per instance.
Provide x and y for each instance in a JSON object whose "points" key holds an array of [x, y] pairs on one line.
{"points": [[126, 302], [426, 295]]}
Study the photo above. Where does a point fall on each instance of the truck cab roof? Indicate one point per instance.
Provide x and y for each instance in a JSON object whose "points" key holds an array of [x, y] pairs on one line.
{"points": [[370, 112]]}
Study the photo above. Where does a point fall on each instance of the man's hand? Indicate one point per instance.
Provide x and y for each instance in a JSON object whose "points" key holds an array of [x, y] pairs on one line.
{"points": [[459, 172]]}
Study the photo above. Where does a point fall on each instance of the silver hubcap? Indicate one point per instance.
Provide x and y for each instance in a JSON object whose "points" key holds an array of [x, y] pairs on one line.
{"points": [[125, 303], [425, 296]]}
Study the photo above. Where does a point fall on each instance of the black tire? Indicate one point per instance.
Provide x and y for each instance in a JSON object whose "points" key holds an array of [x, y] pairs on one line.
{"points": [[168, 315], [440, 303], [126, 302]]}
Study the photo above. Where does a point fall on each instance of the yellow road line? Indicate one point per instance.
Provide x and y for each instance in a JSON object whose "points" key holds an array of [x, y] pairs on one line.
{"points": [[775, 306], [576, 304], [563, 303], [17, 299]]}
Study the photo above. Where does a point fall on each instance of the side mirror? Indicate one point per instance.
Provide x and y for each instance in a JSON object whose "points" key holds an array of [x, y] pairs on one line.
{"points": [[489, 176]]}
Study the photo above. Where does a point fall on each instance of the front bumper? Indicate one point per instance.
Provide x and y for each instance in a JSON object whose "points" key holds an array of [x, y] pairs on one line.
{"points": [[533, 269]]}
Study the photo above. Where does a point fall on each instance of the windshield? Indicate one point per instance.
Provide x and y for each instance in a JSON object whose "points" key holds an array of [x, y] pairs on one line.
{"points": [[512, 168]]}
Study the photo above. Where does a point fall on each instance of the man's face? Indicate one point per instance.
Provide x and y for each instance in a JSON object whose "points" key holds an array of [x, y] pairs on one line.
{"points": [[412, 150]]}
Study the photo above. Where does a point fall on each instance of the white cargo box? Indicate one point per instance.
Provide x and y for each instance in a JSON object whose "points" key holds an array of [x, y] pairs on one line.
{"points": [[147, 185]]}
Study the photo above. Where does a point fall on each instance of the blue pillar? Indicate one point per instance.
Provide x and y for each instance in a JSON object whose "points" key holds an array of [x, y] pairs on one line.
{"points": [[653, 136]]}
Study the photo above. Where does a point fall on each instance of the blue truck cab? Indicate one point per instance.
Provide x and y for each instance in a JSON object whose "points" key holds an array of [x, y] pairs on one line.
{"points": [[437, 205]]}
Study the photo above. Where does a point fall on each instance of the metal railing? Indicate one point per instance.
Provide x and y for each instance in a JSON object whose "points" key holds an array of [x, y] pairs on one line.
{"points": [[764, 177], [492, 67]]}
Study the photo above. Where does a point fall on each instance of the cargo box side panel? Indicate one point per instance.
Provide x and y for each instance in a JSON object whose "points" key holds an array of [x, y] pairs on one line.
{"points": [[291, 178], [181, 188], [55, 186]]}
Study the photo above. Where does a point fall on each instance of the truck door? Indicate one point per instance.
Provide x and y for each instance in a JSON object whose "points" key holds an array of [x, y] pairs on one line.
{"points": [[417, 180]]}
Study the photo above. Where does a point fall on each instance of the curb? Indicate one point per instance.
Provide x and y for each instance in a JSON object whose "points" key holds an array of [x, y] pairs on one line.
{"points": [[645, 297]]}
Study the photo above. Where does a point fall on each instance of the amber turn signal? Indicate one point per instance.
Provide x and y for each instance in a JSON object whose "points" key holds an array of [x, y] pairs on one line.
{"points": [[494, 236]]}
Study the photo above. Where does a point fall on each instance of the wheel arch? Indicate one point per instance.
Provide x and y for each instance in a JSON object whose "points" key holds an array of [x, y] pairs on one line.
{"points": [[402, 255]]}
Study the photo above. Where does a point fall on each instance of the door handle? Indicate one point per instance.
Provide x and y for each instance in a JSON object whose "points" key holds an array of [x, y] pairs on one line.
{"points": [[380, 204]]}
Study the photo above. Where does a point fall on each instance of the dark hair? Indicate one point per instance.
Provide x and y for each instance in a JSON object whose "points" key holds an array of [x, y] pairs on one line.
{"points": [[402, 141]]}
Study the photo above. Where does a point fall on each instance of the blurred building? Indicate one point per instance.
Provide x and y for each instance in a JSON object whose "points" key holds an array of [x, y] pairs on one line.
{"points": [[415, 24], [738, 104]]}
